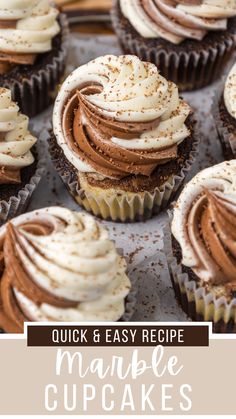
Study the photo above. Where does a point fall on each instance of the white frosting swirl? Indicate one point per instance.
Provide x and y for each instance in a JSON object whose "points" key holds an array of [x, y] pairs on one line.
{"points": [[75, 261], [230, 92], [175, 22], [220, 178], [16, 140], [132, 91], [34, 26]]}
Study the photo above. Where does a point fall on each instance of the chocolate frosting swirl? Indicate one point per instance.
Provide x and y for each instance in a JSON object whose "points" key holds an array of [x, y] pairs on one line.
{"points": [[117, 116], [204, 224], [176, 21], [59, 265]]}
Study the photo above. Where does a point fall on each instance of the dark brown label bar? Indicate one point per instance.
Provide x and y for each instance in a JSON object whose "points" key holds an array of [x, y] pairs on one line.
{"points": [[118, 335]]}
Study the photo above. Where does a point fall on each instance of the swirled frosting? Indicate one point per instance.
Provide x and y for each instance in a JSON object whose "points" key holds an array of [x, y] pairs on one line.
{"points": [[31, 25], [27, 28], [204, 224], [176, 21], [61, 266], [230, 92], [15, 140], [117, 116]]}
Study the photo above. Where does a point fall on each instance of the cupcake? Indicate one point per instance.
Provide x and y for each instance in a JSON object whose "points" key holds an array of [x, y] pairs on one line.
{"points": [[224, 112], [189, 41], [59, 265], [201, 247], [32, 52], [123, 139], [21, 167]]}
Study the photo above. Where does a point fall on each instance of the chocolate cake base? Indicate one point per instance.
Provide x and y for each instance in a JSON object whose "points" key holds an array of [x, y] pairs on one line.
{"points": [[191, 64]]}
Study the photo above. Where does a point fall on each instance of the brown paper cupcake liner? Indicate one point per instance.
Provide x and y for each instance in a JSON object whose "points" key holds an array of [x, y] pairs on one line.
{"points": [[190, 68], [122, 206], [226, 132], [36, 93], [17, 204], [198, 304]]}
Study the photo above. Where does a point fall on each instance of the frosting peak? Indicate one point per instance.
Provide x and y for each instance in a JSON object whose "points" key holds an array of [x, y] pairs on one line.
{"points": [[230, 92], [204, 224], [61, 266], [177, 20], [15, 139], [117, 115]]}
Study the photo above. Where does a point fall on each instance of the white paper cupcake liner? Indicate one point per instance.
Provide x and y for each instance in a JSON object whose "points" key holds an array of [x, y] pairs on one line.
{"points": [[191, 69], [17, 204], [198, 304], [227, 137], [34, 94]]}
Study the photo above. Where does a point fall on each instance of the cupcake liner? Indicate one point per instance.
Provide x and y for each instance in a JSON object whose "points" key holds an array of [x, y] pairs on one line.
{"points": [[189, 68], [34, 94], [198, 304], [123, 206], [226, 136], [17, 204]]}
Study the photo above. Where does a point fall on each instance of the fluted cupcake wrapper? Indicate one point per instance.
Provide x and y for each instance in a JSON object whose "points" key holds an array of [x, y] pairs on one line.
{"points": [[190, 70], [36, 93], [121, 206], [198, 304], [17, 204], [226, 136]]}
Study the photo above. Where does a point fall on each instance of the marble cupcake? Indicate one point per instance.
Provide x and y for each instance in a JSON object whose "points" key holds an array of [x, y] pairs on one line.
{"points": [[224, 112], [21, 166], [123, 139], [32, 52], [201, 247], [59, 265], [190, 41]]}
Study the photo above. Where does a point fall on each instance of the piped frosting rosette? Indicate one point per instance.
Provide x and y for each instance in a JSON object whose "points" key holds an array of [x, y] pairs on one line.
{"points": [[204, 231], [117, 116], [26, 29], [59, 265], [176, 21], [189, 41], [15, 140]]}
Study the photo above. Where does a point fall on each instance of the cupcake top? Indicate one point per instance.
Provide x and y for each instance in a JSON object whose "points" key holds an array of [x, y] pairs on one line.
{"points": [[15, 140], [175, 20], [117, 116], [204, 225], [230, 92], [61, 266], [27, 28]]}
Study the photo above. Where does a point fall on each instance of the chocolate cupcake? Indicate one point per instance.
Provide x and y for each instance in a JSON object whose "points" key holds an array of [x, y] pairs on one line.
{"points": [[32, 52], [123, 139], [59, 265], [21, 166], [224, 112], [201, 247], [189, 41]]}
